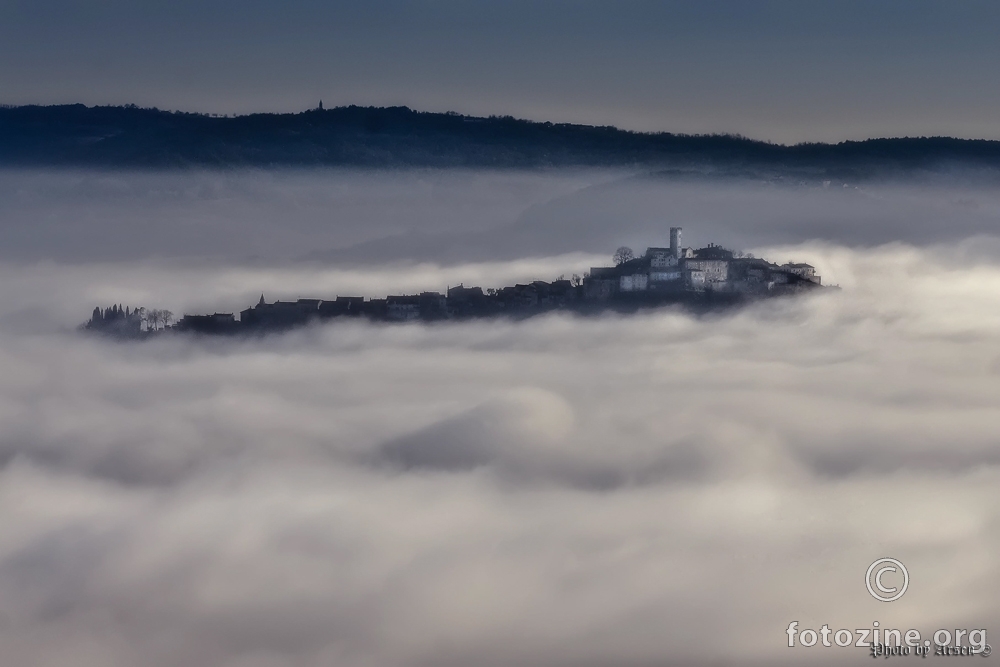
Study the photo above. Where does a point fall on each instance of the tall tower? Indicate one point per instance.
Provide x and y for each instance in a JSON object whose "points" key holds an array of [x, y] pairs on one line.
{"points": [[675, 242]]}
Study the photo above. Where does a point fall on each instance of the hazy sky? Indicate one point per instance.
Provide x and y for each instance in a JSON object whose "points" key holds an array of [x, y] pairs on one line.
{"points": [[779, 70]]}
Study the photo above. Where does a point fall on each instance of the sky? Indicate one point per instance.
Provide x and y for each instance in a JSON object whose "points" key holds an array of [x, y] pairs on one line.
{"points": [[783, 71]]}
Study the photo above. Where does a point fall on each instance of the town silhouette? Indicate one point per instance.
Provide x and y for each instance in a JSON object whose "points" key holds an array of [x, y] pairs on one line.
{"points": [[699, 279]]}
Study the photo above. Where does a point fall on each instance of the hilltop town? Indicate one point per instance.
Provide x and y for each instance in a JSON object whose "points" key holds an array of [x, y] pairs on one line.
{"points": [[702, 278]]}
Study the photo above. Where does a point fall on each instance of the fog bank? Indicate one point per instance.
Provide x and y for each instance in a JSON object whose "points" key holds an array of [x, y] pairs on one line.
{"points": [[656, 489], [337, 218]]}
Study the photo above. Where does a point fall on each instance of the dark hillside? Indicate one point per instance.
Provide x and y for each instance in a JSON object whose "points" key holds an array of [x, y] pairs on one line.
{"points": [[76, 135]]}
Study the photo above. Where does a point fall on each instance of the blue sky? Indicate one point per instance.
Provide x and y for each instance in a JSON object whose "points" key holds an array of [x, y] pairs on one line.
{"points": [[779, 70]]}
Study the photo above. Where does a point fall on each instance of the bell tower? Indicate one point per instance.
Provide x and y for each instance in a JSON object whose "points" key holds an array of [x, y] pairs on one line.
{"points": [[675, 242]]}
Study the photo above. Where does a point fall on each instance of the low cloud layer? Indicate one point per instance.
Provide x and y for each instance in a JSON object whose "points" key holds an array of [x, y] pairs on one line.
{"points": [[339, 218], [657, 489]]}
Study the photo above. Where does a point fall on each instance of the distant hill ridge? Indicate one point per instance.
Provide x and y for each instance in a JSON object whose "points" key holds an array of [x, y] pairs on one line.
{"points": [[129, 136]]}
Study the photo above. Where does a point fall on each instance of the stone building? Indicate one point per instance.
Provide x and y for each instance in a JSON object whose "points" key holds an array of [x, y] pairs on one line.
{"points": [[806, 271], [667, 270]]}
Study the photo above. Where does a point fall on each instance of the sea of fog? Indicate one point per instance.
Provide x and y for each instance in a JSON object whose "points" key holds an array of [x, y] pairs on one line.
{"points": [[657, 489]]}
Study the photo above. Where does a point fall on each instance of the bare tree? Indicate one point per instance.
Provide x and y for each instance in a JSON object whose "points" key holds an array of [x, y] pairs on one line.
{"points": [[623, 255], [156, 318], [576, 280]]}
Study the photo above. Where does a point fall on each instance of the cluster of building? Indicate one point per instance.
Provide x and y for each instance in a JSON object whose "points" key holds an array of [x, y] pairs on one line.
{"points": [[714, 269], [709, 276], [458, 303]]}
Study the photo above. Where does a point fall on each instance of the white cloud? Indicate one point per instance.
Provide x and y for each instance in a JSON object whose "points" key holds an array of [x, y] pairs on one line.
{"points": [[656, 489]]}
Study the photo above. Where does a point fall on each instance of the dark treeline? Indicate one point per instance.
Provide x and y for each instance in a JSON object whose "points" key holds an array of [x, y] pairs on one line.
{"points": [[127, 322], [129, 136]]}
